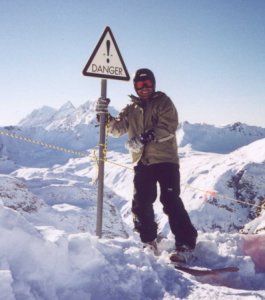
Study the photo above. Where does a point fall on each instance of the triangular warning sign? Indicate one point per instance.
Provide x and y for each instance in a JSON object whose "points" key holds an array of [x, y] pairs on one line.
{"points": [[106, 60]]}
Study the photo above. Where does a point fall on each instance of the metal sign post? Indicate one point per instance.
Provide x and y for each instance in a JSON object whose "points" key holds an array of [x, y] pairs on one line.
{"points": [[105, 62], [102, 139]]}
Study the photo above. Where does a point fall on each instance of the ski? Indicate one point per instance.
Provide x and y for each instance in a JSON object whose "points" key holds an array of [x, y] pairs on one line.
{"points": [[203, 272], [196, 271], [180, 264]]}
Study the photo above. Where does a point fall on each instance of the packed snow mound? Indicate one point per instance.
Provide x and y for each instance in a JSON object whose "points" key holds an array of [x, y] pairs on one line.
{"points": [[210, 138], [47, 263]]}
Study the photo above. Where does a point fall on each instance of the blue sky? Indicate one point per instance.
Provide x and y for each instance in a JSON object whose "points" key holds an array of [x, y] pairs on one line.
{"points": [[207, 55]]}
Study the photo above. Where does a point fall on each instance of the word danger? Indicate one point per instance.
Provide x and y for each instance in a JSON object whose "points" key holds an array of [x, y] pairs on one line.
{"points": [[107, 70]]}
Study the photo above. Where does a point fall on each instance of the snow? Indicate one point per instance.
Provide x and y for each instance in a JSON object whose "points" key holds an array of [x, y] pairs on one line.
{"points": [[48, 246]]}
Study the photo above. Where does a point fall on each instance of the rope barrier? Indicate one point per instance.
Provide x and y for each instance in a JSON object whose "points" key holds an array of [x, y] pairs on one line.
{"points": [[207, 193], [54, 147], [214, 194]]}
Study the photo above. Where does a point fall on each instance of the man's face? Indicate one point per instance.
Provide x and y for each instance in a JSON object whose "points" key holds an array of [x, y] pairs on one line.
{"points": [[144, 88]]}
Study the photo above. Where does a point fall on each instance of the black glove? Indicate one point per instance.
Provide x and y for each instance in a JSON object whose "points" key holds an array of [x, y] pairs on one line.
{"points": [[147, 136], [102, 105]]}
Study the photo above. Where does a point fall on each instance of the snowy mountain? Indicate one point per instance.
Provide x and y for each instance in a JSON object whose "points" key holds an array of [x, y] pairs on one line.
{"points": [[48, 195], [224, 139], [74, 129], [228, 186], [65, 118], [38, 117]]}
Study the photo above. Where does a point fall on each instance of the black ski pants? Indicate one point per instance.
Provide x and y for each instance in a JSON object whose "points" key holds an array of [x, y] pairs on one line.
{"points": [[145, 192]]}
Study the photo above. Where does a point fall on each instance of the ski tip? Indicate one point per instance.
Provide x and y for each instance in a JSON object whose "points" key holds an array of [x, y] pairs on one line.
{"points": [[203, 272]]}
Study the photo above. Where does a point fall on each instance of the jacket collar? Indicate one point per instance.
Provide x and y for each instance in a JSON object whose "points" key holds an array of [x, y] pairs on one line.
{"points": [[142, 103]]}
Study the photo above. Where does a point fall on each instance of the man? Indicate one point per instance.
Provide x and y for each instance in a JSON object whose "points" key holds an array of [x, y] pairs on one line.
{"points": [[151, 121]]}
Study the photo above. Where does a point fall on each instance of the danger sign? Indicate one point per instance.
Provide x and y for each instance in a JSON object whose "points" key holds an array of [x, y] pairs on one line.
{"points": [[106, 60]]}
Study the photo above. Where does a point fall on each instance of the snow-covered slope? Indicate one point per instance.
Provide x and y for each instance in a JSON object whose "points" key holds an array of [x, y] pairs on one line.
{"points": [[48, 248], [58, 249], [209, 138], [227, 190]]}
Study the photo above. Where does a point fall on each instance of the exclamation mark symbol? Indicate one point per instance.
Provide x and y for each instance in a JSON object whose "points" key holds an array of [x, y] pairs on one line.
{"points": [[108, 48]]}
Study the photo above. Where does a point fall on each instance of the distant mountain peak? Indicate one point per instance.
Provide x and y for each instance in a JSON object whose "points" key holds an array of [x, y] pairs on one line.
{"points": [[67, 105], [200, 136], [38, 117], [218, 139], [66, 117]]}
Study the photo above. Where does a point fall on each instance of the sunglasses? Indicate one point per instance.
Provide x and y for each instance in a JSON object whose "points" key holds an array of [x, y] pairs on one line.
{"points": [[143, 83]]}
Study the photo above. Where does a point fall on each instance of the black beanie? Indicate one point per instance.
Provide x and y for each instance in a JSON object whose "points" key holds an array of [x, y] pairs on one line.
{"points": [[144, 74]]}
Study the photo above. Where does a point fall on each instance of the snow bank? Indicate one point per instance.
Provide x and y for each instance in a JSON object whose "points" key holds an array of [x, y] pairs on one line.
{"points": [[75, 266], [44, 263]]}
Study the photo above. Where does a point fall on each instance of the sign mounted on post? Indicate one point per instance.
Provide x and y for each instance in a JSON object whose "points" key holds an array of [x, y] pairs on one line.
{"points": [[106, 60]]}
